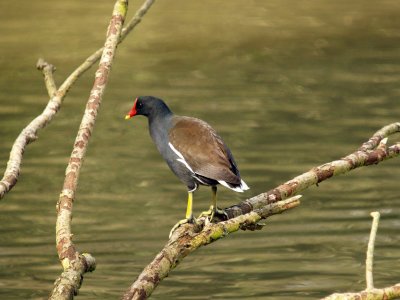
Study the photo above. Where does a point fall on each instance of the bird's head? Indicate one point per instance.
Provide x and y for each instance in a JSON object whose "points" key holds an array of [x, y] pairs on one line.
{"points": [[147, 106]]}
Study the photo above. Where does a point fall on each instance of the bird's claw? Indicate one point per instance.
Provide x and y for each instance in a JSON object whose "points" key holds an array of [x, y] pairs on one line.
{"points": [[209, 214], [181, 222], [222, 215]]}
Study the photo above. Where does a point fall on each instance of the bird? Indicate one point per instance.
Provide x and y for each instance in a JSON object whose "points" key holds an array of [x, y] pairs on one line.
{"points": [[194, 152]]}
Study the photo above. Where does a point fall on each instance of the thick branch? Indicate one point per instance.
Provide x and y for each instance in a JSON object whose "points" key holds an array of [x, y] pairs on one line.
{"points": [[75, 264], [246, 214], [29, 133]]}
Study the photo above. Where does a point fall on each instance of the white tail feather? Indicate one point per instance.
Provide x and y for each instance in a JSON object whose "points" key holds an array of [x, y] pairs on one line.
{"points": [[243, 186]]}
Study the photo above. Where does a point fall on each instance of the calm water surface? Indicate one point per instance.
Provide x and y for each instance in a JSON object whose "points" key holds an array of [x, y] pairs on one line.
{"points": [[288, 84]]}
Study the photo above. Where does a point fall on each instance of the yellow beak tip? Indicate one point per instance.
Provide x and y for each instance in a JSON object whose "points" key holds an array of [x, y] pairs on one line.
{"points": [[127, 117]]}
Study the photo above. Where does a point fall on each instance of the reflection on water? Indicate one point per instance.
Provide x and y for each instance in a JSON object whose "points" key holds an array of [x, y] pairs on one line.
{"points": [[289, 85]]}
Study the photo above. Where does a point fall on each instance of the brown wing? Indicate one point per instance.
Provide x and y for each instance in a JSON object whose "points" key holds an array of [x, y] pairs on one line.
{"points": [[203, 149]]}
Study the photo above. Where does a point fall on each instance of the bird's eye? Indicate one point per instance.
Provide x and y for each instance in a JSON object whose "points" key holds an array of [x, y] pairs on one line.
{"points": [[139, 105]]}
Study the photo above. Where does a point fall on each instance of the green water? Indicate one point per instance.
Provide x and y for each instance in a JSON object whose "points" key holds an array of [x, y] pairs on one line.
{"points": [[289, 85]]}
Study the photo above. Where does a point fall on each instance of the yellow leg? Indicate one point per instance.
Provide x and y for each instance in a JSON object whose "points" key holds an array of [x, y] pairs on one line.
{"points": [[213, 207], [189, 208], [189, 214]]}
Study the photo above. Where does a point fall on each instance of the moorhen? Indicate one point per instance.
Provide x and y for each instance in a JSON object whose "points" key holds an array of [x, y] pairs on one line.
{"points": [[193, 151]]}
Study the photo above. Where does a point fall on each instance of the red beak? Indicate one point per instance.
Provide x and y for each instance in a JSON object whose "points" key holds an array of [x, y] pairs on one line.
{"points": [[132, 112]]}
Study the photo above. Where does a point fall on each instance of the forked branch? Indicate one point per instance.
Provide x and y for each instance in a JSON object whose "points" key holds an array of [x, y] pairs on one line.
{"points": [[248, 213], [370, 293], [374, 151], [29, 133]]}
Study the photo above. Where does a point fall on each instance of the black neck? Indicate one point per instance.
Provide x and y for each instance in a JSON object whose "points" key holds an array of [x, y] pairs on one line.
{"points": [[159, 126], [160, 114]]}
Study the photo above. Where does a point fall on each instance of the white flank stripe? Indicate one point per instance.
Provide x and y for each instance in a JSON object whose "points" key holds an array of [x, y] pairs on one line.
{"points": [[243, 186], [181, 158], [197, 178]]}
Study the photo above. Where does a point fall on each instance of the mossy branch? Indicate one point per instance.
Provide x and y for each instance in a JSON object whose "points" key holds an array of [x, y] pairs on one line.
{"points": [[189, 238], [248, 213]]}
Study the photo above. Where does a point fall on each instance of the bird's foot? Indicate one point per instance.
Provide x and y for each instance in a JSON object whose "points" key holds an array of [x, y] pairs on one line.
{"points": [[212, 212], [208, 213], [220, 215], [191, 220]]}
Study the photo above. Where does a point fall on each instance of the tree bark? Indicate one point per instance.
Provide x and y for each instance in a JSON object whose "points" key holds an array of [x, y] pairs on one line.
{"points": [[74, 263], [392, 292]]}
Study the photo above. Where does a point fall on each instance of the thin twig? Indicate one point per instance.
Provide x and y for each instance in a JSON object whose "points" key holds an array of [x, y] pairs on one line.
{"points": [[29, 133], [48, 70], [93, 58], [75, 264], [370, 251], [137, 18]]}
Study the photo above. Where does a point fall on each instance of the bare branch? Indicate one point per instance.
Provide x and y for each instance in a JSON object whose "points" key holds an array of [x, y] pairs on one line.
{"points": [[374, 141], [48, 70], [75, 264], [137, 18], [371, 152], [370, 251], [392, 292], [29, 133], [370, 293], [88, 63]]}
